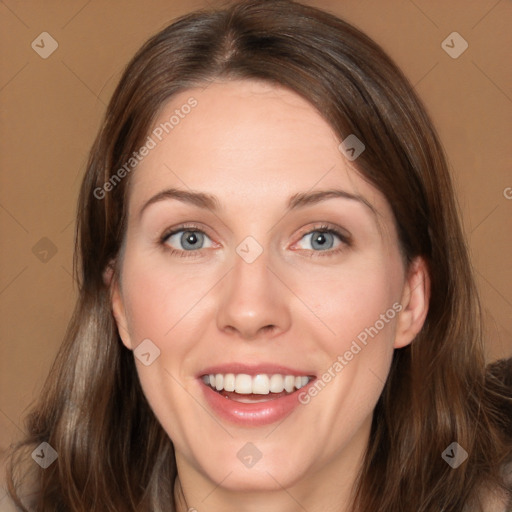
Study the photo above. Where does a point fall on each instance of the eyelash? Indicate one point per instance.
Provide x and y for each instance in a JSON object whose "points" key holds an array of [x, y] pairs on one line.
{"points": [[345, 241]]}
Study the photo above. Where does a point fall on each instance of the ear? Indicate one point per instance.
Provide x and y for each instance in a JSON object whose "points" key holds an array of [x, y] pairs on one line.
{"points": [[415, 301], [111, 280]]}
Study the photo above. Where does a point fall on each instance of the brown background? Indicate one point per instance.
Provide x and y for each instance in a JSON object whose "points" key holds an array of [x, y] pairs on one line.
{"points": [[51, 109]]}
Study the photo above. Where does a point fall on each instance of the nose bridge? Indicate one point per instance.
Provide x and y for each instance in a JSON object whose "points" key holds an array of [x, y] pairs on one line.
{"points": [[252, 299]]}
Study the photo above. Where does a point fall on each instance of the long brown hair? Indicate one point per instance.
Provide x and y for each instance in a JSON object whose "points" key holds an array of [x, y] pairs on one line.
{"points": [[112, 452]]}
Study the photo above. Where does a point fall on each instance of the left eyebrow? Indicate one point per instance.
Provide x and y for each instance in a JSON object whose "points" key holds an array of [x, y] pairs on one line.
{"points": [[308, 198]]}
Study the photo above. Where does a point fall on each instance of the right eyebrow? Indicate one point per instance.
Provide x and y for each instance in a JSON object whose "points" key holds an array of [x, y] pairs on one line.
{"points": [[200, 199]]}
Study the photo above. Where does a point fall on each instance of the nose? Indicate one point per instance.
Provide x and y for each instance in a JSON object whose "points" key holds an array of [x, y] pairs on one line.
{"points": [[254, 303]]}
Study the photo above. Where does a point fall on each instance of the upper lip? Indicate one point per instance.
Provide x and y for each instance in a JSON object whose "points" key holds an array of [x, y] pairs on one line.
{"points": [[254, 369]]}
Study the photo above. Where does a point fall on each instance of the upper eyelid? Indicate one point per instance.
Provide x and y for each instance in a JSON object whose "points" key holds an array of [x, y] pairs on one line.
{"points": [[185, 227], [343, 238]]}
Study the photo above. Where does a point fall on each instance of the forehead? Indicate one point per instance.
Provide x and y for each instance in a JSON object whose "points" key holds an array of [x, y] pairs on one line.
{"points": [[247, 142]]}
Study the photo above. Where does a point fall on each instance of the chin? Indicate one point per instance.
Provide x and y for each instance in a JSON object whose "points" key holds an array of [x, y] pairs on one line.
{"points": [[260, 478]]}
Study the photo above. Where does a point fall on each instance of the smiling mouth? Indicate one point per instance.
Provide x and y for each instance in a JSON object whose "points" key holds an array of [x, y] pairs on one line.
{"points": [[246, 388]]}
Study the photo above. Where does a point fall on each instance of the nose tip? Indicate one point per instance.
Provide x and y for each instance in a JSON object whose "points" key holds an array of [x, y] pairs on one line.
{"points": [[251, 331]]}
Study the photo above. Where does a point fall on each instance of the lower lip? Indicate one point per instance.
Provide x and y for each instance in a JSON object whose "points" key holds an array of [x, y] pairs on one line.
{"points": [[251, 414]]}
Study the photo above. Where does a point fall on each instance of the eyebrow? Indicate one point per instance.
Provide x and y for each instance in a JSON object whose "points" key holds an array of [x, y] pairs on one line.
{"points": [[211, 202], [308, 198]]}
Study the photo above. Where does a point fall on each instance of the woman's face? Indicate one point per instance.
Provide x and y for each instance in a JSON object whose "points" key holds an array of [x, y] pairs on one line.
{"points": [[255, 253]]}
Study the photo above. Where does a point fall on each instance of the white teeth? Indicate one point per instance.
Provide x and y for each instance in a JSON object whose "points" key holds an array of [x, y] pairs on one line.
{"points": [[277, 383], [260, 384], [229, 382], [300, 382], [219, 381], [289, 383], [243, 384]]}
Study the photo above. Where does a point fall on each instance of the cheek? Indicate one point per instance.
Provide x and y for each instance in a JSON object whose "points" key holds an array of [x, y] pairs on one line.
{"points": [[352, 302], [164, 305], [356, 314], [169, 305], [158, 296]]}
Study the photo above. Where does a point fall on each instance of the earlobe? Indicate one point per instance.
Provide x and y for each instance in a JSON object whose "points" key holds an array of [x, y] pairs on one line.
{"points": [[415, 302], [116, 301]]}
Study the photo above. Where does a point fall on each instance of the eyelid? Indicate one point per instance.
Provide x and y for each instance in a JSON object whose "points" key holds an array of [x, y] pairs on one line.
{"points": [[187, 226], [332, 227]]}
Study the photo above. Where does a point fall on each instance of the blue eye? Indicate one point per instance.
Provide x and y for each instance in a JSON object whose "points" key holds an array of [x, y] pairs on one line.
{"points": [[321, 240], [188, 240]]}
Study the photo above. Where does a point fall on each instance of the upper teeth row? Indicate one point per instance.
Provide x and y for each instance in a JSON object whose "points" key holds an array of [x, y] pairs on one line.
{"points": [[259, 384]]}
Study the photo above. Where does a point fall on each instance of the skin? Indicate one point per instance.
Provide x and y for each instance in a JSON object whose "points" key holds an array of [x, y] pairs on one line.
{"points": [[253, 145]]}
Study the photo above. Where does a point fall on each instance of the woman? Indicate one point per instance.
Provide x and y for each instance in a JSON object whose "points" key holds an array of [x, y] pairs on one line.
{"points": [[276, 308]]}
